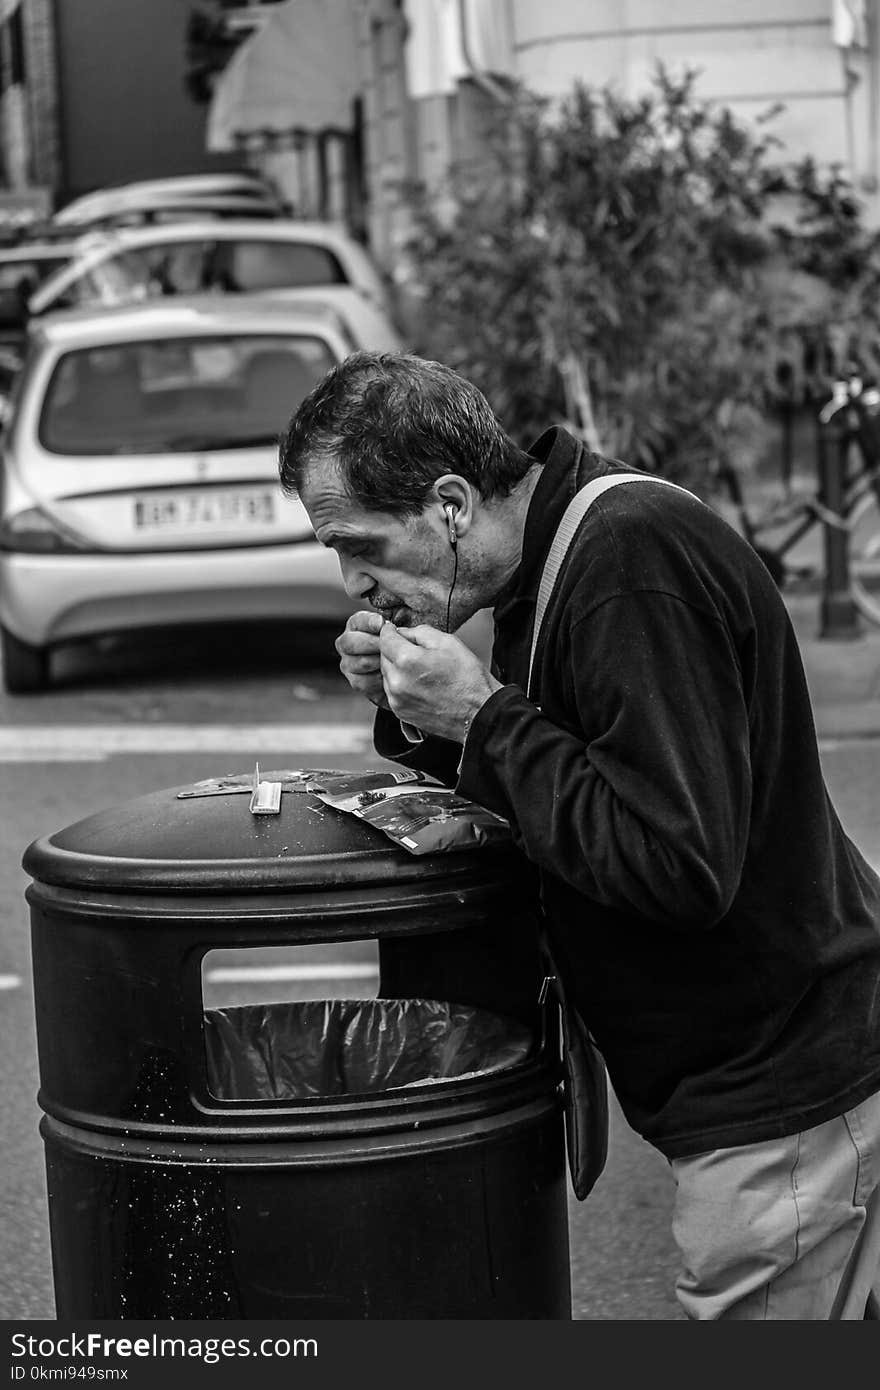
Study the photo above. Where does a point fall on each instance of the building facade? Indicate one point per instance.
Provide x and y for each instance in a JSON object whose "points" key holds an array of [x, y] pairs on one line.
{"points": [[28, 110], [94, 92], [426, 100], [750, 54]]}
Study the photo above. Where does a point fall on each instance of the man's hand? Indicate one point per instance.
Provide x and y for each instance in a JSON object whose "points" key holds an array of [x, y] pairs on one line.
{"points": [[432, 680], [359, 661]]}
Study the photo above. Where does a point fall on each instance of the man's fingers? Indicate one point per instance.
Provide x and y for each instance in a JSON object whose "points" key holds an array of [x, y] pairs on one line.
{"points": [[373, 690], [426, 636], [423, 635], [355, 643], [391, 642], [365, 620], [360, 634], [394, 642], [361, 665]]}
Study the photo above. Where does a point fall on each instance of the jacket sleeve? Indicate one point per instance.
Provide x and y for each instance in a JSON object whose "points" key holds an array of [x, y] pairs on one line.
{"points": [[438, 757], [643, 803]]}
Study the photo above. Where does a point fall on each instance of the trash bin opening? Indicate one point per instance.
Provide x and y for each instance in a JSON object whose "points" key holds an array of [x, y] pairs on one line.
{"points": [[336, 1047], [280, 974]]}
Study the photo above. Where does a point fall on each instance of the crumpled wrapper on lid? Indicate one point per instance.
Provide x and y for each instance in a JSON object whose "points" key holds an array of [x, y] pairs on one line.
{"points": [[427, 818]]}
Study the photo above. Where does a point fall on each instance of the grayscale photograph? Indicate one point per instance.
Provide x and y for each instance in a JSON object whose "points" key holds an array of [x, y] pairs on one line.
{"points": [[439, 672]]}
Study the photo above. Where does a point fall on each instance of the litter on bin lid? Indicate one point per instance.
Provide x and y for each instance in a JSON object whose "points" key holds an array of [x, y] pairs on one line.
{"points": [[424, 820], [232, 783], [311, 779], [340, 782], [266, 795]]}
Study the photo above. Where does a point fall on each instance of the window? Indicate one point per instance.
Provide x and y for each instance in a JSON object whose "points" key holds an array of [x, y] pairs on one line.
{"points": [[271, 265], [182, 267], [177, 395], [108, 282]]}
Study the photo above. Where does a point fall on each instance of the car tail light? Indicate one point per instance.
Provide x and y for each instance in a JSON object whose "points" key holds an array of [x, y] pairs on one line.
{"points": [[32, 532]]}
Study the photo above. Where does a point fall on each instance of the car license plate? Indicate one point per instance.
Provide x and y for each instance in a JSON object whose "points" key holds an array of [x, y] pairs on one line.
{"points": [[207, 510]]}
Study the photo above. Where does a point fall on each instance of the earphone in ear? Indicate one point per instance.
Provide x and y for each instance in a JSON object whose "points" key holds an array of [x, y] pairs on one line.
{"points": [[450, 509]]}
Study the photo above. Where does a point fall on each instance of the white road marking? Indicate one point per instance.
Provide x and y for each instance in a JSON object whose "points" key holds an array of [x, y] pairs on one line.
{"points": [[241, 974], [74, 743], [97, 742], [834, 745], [37, 755], [10, 981]]}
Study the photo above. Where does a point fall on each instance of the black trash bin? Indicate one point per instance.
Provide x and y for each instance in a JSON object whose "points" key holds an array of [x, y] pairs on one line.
{"points": [[183, 1184]]}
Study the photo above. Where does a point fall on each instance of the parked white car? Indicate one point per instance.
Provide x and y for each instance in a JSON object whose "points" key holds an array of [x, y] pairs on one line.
{"points": [[148, 200], [139, 481], [230, 257]]}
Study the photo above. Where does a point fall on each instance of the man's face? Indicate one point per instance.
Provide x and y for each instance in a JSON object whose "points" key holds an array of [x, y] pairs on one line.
{"points": [[403, 567]]}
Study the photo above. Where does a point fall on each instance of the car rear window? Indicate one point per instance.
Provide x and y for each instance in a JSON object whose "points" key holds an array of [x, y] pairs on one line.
{"points": [[193, 266], [274, 265], [177, 395]]}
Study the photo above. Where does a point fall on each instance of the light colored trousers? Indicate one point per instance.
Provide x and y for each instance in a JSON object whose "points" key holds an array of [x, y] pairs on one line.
{"points": [[788, 1228]]}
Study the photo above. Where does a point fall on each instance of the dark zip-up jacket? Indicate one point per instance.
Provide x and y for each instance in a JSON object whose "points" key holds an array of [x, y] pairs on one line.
{"points": [[718, 930]]}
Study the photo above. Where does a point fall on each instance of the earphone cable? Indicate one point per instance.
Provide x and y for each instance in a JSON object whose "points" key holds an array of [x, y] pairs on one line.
{"points": [[452, 585]]}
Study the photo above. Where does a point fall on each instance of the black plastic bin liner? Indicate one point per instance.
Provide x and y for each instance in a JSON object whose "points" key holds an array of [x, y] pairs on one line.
{"points": [[331, 1047]]}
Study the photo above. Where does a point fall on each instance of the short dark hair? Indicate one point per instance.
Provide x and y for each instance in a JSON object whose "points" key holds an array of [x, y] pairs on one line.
{"points": [[393, 422]]}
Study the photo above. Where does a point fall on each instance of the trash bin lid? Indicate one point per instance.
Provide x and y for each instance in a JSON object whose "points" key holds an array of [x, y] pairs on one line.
{"points": [[181, 839]]}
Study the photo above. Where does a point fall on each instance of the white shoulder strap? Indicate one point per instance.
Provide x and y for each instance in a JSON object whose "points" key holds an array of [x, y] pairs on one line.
{"points": [[571, 520]]}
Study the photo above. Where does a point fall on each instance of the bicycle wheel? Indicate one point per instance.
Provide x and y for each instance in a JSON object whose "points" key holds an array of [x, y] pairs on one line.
{"points": [[864, 557]]}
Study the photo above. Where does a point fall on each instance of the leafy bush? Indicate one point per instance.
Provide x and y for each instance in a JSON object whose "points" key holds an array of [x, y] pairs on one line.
{"points": [[647, 271]]}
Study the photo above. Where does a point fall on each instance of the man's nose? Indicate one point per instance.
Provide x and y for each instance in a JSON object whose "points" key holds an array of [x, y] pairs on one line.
{"points": [[358, 585]]}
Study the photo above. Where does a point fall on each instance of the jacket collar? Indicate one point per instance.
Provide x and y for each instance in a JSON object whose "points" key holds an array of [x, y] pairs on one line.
{"points": [[563, 458]]}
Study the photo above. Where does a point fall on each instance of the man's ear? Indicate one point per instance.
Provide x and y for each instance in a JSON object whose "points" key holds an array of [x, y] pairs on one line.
{"points": [[453, 497]]}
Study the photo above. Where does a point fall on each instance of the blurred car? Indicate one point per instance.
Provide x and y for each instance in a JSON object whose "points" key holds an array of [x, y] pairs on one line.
{"points": [[236, 257], [150, 200], [23, 268], [139, 474]]}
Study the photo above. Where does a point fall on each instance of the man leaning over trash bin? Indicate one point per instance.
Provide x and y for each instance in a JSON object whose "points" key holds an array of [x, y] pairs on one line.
{"points": [[714, 926]]}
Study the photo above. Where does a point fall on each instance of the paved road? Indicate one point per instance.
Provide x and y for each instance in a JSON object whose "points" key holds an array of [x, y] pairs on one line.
{"points": [[143, 715]]}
